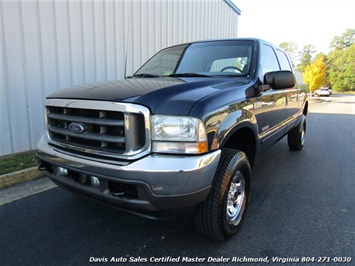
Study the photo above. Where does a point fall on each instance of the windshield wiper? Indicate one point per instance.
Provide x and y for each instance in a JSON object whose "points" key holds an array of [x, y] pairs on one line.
{"points": [[146, 75], [188, 75]]}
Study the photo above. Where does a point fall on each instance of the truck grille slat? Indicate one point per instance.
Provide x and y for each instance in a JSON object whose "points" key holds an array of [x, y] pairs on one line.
{"points": [[91, 127], [87, 136], [80, 119]]}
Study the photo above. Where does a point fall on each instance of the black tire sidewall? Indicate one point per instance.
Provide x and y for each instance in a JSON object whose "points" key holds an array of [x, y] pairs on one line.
{"points": [[211, 219], [294, 136], [238, 162]]}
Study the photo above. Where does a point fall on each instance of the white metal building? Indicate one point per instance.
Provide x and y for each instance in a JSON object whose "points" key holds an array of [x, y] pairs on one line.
{"points": [[49, 45]]}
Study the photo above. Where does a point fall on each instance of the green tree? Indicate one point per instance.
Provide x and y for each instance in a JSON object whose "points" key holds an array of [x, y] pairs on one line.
{"points": [[342, 69], [344, 41], [341, 62], [305, 57], [291, 49], [314, 74]]}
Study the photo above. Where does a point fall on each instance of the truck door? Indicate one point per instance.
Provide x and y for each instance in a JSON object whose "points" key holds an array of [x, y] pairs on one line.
{"points": [[292, 98], [270, 107]]}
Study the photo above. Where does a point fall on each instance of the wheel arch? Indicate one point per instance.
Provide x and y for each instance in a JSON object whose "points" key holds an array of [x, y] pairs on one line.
{"points": [[242, 138], [305, 108]]}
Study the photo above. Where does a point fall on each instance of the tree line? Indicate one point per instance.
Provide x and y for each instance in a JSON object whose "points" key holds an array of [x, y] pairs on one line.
{"points": [[335, 70]]}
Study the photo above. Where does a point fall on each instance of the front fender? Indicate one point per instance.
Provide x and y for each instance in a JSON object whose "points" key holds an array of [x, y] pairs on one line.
{"points": [[231, 123]]}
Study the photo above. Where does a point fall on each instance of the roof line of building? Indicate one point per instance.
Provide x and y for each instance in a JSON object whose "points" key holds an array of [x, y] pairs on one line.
{"points": [[233, 6]]}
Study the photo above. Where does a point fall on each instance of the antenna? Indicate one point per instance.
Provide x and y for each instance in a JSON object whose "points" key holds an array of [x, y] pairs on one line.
{"points": [[126, 49]]}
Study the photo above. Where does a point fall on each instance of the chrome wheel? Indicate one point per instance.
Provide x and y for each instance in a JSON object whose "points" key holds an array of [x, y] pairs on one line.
{"points": [[236, 199], [303, 136]]}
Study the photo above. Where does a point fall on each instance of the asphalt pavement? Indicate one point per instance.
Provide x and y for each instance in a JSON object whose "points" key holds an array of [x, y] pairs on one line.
{"points": [[301, 211]]}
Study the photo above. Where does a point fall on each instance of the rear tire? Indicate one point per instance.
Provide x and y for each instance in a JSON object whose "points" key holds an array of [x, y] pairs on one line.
{"points": [[297, 136], [221, 214]]}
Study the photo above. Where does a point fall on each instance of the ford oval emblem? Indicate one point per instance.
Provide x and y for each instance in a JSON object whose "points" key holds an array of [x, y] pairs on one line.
{"points": [[77, 128]]}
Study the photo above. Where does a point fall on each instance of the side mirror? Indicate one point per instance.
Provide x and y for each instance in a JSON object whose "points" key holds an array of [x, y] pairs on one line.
{"points": [[279, 80]]}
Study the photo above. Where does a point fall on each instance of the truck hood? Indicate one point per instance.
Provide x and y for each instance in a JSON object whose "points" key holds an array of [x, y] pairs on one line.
{"points": [[161, 95]]}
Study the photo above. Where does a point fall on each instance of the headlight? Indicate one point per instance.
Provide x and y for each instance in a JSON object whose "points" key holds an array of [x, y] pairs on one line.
{"points": [[178, 134]]}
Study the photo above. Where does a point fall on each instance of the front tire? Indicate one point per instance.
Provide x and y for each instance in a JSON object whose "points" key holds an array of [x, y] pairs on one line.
{"points": [[221, 214], [297, 136]]}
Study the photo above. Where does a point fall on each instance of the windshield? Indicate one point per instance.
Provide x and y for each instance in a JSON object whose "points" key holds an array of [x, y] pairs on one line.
{"points": [[216, 58]]}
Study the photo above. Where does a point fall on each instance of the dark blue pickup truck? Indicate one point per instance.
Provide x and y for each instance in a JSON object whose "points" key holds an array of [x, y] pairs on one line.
{"points": [[179, 136]]}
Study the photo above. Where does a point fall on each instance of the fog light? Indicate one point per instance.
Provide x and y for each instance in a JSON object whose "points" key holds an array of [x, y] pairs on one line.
{"points": [[62, 171], [95, 181]]}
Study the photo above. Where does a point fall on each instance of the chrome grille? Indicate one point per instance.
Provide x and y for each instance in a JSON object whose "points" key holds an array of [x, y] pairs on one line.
{"points": [[105, 128]]}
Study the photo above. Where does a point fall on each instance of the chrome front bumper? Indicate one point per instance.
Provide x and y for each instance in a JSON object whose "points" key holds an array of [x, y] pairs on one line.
{"points": [[161, 182]]}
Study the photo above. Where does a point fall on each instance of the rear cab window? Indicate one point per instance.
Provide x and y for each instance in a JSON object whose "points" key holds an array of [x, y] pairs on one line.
{"points": [[268, 59], [283, 60]]}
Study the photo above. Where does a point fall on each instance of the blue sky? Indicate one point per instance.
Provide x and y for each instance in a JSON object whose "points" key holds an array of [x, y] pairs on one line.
{"points": [[304, 22]]}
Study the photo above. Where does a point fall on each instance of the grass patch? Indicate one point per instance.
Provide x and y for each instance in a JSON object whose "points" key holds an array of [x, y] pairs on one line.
{"points": [[13, 163]]}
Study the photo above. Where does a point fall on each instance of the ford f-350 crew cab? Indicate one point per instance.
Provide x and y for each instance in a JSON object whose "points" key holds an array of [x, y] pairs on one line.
{"points": [[180, 135]]}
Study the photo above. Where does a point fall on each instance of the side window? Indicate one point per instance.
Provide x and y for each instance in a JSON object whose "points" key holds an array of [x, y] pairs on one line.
{"points": [[285, 64], [268, 60]]}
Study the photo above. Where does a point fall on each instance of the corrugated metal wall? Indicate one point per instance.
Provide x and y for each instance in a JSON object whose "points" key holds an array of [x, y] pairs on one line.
{"points": [[48, 45]]}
